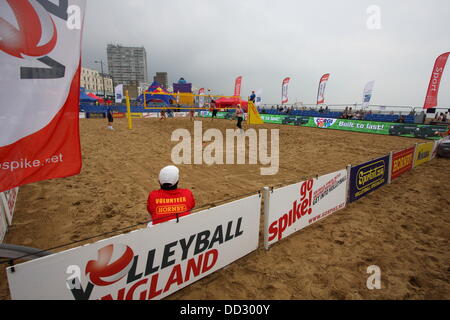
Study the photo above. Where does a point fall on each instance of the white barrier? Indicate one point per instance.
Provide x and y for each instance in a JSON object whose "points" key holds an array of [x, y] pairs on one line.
{"points": [[150, 263], [3, 222], [297, 206], [9, 199]]}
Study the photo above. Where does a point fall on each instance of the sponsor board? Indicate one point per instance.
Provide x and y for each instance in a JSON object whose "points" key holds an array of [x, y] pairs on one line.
{"points": [[82, 115], [118, 115], [423, 153], [3, 222], [151, 115], [95, 115], [149, 263], [436, 148], [181, 114], [297, 206], [9, 199], [386, 128], [402, 162], [368, 177]]}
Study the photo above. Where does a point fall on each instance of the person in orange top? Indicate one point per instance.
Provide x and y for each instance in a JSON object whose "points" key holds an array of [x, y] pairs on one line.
{"points": [[169, 202], [444, 134]]}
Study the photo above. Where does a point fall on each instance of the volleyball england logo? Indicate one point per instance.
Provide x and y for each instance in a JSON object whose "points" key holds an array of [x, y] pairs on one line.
{"points": [[26, 29], [113, 263]]}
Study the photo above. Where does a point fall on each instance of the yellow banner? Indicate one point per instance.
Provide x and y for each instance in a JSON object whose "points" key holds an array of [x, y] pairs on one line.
{"points": [[423, 153]]}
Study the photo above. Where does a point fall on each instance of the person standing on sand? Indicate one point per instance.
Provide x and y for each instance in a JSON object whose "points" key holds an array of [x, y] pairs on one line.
{"points": [[110, 118], [169, 202], [163, 114], [213, 109], [239, 116]]}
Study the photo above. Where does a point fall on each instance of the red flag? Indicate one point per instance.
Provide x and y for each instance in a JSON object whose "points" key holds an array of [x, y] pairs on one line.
{"points": [[237, 86], [435, 81], [321, 91], [284, 91], [39, 132]]}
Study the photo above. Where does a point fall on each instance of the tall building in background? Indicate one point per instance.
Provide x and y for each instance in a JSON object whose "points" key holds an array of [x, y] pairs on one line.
{"points": [[161, 77], [127, 65]]}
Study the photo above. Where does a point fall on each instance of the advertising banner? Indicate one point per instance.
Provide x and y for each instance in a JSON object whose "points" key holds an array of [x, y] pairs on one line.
{"points": [[284, 91], [322, 86], [201, 99], [119, 93], [149, 263], [367, 94], [258, 98], [297, 206], [368, 177], [40, 88], [431, 99], [237, 86], [402, 162], [423, 153]]}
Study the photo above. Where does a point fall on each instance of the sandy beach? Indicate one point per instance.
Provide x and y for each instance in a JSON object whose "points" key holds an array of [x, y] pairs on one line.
{"points": [[403, 228]]}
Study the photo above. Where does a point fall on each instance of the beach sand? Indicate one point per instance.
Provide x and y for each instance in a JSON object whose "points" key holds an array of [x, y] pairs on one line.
{"points": [[403, 228]]}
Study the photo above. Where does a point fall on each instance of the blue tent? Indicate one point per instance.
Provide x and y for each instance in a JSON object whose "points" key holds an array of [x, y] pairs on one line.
{"points": [[84, 97], [156, 87]]}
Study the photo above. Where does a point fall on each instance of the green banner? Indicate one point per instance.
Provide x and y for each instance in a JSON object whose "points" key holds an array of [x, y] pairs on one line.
{"points": [[387, 128]]}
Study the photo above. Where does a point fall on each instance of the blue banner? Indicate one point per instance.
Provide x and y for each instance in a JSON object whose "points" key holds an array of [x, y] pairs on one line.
{"points": [[368, 177]]}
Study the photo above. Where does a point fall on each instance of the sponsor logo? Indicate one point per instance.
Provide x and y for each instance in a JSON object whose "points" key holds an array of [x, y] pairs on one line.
{"points": [[423, 155], [402, 162], [370, 174], [113, 263], [27, 29], [324, 122], [300, 208]]}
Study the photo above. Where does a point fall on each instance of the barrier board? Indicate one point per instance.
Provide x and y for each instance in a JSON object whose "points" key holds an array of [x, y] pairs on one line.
{"points": [[376, 127], [9, 199], [402, 162], [435, 148], [149, 263], [3, 222], [368, 177], [423, 153], [292, 208]]}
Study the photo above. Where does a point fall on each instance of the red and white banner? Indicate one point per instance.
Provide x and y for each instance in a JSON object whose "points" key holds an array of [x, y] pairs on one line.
{"points": [[284, 91], [40, 51], [201, 98], [237, 86], [297, 206], [9, 199], [3, 222], [431, 99], [146, 264], [322, 86]]}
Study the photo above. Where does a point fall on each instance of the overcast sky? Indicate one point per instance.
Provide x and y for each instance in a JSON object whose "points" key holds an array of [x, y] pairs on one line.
{"points": [[211, 42]]}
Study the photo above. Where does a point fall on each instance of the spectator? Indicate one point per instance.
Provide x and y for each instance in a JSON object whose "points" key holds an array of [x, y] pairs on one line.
{"points": [[169, 202], [444, 134], [401, 119], [240, 117], [252, 97]]}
